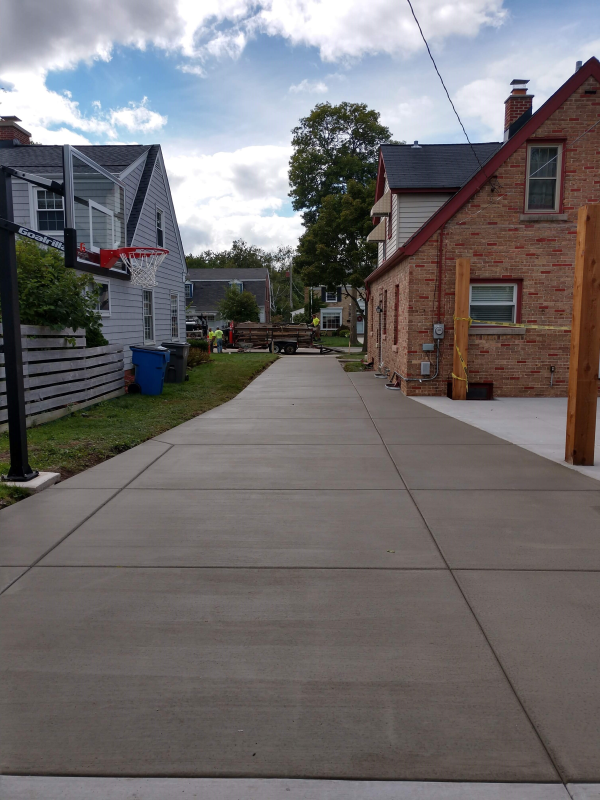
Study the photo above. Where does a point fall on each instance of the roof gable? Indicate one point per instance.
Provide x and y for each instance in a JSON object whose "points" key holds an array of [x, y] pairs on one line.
{"points": [[591, 68], [47, 159], [228, 274]]}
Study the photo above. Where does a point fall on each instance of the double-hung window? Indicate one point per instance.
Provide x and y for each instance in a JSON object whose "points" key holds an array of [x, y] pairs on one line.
{"points": [[331, 297], [493, 302], [331, 319], [160, 230], [148, 302], [543, 177], [189, 291], [174, 316], [49, 211]]}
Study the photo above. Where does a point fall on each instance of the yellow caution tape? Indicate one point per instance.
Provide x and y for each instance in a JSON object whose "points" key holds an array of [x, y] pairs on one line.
{"points": [[470, 320], [464, 367]]}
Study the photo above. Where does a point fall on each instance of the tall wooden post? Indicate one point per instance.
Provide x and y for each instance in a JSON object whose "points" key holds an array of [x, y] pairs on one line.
{"points": [[461, 327], [585, 341]]}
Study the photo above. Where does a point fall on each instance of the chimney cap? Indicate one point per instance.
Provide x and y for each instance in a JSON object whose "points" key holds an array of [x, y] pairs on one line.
{"points": [[416, 145], [578, 65], [518, 81], [9, 119]]}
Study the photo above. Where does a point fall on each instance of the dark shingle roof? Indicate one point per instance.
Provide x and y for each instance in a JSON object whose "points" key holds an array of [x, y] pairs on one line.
{"points": [[208, 294], [226, 274], [140, 195], [47, 159], [434, 166]]}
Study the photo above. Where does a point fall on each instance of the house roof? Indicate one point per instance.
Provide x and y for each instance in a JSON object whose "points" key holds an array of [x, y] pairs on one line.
{"points": [[450, 208], [225, 275], [47, 159], [434, 166], [208, 294]]}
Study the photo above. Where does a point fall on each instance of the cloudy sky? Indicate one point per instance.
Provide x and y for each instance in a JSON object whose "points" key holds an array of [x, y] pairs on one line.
{"points": [[220, 85]]}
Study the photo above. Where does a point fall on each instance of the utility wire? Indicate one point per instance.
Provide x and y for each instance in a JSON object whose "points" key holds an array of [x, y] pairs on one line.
{"points": [[445, 89]]}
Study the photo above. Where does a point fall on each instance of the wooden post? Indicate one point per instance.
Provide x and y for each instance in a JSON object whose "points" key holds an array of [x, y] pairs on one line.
{"points": [[461, 327], [585, 341]]}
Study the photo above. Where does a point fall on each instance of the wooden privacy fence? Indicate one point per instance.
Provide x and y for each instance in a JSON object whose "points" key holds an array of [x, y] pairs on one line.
{"points": [[61, 374]]}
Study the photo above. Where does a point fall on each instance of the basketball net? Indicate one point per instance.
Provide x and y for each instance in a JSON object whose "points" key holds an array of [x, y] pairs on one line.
{"points": [[143, 263]]}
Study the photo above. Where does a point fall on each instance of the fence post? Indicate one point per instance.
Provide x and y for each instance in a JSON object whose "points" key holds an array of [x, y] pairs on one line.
{"points": [[585, 341], [461, 329], [13, 355]]}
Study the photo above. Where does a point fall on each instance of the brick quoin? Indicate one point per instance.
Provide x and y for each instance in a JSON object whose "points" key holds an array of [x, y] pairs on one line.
{"points": [[527, 252]]}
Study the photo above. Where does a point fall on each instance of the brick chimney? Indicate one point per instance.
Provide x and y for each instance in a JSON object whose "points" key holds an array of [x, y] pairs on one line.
{"points": [[10, 130], [519, 103]]}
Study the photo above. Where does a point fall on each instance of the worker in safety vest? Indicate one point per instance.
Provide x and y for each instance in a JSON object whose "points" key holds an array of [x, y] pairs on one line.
{"points": [[316, 322], [219, 339], [211, 336]]}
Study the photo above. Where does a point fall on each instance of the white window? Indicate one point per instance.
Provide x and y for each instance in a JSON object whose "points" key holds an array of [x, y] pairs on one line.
{"points": [[239, 285], [102, 227], [331, 297], [543, 177], [160, 231], [104, 299], [49, 211], [493, 302], [189, 291], [331, 319], [148, 316], [174, 316]]}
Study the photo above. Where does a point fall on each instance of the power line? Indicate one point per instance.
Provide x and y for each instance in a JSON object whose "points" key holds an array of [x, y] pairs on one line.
{"points": [[445, 89]]}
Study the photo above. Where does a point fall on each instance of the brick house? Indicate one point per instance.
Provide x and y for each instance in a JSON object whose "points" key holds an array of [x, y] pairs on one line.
{"points": [[511, 208]]}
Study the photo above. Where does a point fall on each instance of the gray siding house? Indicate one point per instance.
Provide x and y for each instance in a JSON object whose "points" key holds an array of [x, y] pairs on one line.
{"points": [[206, 288], [130, 315]]}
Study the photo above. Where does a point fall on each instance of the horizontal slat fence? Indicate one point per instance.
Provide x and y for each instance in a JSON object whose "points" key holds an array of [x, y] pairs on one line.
{"points": [[61, 374]]}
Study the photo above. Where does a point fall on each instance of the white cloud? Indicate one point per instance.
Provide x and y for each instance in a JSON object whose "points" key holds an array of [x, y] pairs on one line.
{"points": [[227, 195], [137, 117], [312, 87]]}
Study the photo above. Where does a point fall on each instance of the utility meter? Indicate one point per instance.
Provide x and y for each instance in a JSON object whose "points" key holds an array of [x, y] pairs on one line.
{"points": [[438, 330]]}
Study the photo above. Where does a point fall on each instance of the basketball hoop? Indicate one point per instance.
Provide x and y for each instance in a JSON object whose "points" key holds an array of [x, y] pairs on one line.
{"points": [[142, 262]]}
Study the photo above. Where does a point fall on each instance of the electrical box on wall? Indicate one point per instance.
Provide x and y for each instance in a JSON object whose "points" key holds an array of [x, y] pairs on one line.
{"points": [[428, 347], [425, 368], [438, 330]]}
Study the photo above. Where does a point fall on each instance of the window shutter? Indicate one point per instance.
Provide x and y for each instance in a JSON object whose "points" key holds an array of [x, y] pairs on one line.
{"points": [[323, 290], [339, 294]]}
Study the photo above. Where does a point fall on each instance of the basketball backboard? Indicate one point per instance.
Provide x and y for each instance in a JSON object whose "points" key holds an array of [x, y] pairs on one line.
{"points": [[94, 204]]}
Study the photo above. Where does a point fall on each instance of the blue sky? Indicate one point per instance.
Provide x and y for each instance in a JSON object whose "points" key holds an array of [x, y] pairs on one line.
{"points": [[220, 86]]}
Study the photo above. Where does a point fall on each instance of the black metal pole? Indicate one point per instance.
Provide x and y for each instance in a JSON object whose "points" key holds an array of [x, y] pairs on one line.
{"points": [[11, 331]]}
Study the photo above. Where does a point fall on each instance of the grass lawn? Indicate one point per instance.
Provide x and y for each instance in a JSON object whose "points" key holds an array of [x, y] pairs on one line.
{"points": [[335, 341], [74, 443]]}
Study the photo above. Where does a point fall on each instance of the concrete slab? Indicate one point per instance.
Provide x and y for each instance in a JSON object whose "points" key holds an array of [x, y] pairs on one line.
{"points": [[118, 471], [584, 791], [534, 423], [482, 466], [252, 528], [544, 628], [359, 674], [242, 431], [428, 430], [313, 408], [30, 788], [7, 576], [300, 392], [43, 481], [520, 530], [316, 466], [29, 528]]}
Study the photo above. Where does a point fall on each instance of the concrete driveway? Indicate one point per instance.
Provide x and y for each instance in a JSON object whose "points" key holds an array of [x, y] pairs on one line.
{"points": [[321, 583]]}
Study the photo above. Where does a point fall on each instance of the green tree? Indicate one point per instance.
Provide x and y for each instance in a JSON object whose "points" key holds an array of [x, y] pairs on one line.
{"points": [[51, 294], [239, 306], [282, 272], [333, 145], [241, 255]]}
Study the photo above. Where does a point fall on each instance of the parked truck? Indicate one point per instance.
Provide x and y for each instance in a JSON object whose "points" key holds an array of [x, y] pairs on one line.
{"points": [[280, 337]]}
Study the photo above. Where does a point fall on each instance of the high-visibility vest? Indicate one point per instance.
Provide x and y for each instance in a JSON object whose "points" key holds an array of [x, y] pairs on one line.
{"points": [[211, 334], [218, 334], [316, 322]]}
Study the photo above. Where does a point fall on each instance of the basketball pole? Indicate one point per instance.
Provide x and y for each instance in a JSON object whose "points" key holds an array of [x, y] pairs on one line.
{"points": [[13, 354]]}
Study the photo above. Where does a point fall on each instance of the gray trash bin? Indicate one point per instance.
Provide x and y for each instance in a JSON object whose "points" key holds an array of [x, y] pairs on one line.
{"points": [[177, 366]]}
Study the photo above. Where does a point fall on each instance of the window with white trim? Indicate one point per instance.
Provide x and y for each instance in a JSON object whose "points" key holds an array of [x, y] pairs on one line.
{"points": [[493, 302], [189, 291], [160, 230], [49, 211], [148, 301], [331, 297], [103, 305], [331, 319], [543, 177], [174, 316]]}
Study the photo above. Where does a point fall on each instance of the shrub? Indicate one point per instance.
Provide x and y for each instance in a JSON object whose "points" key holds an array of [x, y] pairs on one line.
{"points": [[239, 306], [53, 295], [200, 344]]}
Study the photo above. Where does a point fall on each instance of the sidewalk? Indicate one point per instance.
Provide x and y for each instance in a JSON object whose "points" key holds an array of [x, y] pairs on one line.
{"points": [[320, 579]]}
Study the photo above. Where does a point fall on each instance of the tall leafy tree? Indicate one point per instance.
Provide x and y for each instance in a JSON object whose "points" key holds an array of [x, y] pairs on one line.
{"points": [[241, 255], [332, 177], [239, 306]]}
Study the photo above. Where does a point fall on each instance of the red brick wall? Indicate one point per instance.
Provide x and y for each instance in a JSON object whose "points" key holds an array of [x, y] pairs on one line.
{"points": [[488, 230], [515, 106], [12, 132]]}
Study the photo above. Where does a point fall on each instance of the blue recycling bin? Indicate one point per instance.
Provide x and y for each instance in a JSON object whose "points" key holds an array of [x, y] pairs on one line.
{"points": [[150, 365]]}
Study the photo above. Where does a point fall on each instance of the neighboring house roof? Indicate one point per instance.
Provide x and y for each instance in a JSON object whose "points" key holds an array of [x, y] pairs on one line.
{"points": [[226, 274], [208, 294], [457, 201], [47, 159], [434, 166]]}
